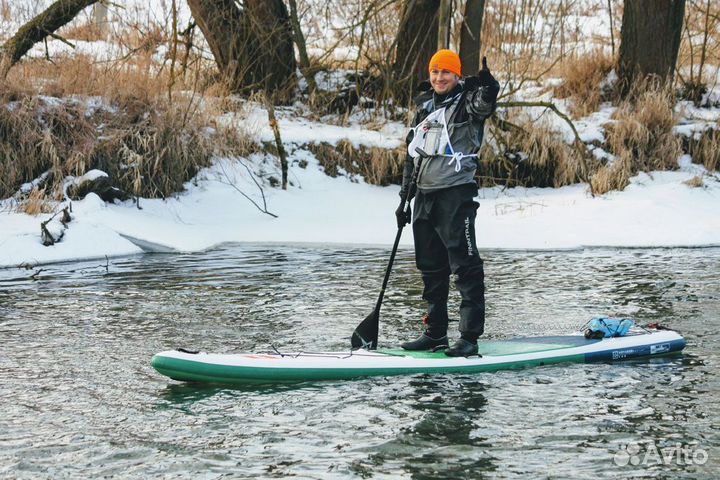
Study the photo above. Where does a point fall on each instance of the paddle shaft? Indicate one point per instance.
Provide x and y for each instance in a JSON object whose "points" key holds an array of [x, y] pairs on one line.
{"points": [[406, 204], [366, 333], [387, 271]]}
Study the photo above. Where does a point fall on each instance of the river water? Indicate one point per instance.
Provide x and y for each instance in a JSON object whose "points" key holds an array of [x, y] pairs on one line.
{"points": [[80, 400]]}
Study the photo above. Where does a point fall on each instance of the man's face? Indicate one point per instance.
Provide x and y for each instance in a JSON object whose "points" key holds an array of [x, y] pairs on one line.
{"points": [[443, 81]]}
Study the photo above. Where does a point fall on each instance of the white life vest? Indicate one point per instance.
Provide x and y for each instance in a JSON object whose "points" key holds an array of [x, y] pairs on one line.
{"points": [[426, 135]]}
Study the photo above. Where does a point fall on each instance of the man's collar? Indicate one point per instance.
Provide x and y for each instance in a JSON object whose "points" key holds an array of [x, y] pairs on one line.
{"points": [[427, 93], [441, 100]]}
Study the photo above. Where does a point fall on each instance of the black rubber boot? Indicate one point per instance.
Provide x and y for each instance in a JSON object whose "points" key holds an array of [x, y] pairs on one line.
{"points": [[425, 342], [463, 348]]}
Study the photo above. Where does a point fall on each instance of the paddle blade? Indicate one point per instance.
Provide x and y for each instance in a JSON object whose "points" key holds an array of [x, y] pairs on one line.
{"points": [[366, 334]]}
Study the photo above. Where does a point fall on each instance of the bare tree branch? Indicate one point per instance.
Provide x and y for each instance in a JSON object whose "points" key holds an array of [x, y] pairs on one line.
{"points": [[263, 209], [55, 16], [579, 144]]}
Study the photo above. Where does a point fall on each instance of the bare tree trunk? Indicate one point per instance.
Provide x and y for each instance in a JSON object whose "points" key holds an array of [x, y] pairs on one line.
{"points": [[55, 16], [100, 14], [706, 34], [612, 27], [270, 22], [173, 49], [252, 47], [415, 44], [221, 22], [444, 15], [272, 119], [470, 41], [649, 41], [302, 49]]}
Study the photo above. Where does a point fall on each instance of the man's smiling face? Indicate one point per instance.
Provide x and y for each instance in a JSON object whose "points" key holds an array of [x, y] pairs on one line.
{"points": [[443, 81]]}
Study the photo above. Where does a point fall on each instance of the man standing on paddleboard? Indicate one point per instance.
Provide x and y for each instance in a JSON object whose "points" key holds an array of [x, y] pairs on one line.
{"points": [[448, 127]]}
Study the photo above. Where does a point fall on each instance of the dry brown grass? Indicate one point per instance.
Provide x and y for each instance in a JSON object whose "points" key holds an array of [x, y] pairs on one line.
{"points": [[117, 82], [155, 152], [547, 152], [532, 155], [614, 176], [148, 149], [643, 130], [582, 81], [705, 150], [35, 203], [641, 138], [51, 127], [37, 137], [87, 31], [378, 166], [695, 182], [148, 144], [698, 54]]}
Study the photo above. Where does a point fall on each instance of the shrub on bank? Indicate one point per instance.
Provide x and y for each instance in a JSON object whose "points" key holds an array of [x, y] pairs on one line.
{"points": [[150, 146], [41, 140], [705, 150], [641, 138], [378, 166], [149, 149], [583, 80], [529, 154]]}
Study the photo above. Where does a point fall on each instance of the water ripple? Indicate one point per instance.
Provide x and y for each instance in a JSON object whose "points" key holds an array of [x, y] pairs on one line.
{"points": [[80, 399]]}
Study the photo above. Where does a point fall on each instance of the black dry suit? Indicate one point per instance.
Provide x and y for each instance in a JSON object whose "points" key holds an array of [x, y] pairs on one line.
{"points": [[444, 211]]}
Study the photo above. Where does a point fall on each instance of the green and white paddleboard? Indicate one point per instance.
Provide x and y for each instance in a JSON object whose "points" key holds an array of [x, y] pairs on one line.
{"points": [[248, 368]]}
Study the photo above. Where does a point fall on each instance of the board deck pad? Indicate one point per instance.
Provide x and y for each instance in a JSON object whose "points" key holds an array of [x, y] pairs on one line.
{"points": [[512, 346], [277, 367]]}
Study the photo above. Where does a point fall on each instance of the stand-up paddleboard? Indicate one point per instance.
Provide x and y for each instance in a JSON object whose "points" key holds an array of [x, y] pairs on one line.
{"points": [[496, 355]]}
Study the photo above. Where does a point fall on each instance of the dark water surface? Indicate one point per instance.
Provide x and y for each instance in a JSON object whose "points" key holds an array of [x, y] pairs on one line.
{"points": [[80, 400]]}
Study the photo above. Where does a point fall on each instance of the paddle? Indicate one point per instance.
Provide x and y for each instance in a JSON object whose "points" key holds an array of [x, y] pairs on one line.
{"points": [[366, 334]]}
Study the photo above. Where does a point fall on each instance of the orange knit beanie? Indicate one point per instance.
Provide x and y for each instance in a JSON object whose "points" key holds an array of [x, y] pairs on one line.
{"points": [[446, 60]]}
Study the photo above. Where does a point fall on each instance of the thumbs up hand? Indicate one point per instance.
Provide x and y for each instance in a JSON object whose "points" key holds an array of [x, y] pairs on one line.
{"points": [[487, 83]]}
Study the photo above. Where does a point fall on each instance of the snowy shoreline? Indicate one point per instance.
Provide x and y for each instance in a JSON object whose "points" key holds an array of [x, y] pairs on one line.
{"points": [[654, 211], [657, 210]]}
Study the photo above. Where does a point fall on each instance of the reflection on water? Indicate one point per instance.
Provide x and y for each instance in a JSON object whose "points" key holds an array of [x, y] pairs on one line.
{"points": [[80, 399]]}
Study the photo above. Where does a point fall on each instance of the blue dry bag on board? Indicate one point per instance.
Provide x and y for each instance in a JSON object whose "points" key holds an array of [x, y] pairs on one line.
{"points": [[604, 327]]}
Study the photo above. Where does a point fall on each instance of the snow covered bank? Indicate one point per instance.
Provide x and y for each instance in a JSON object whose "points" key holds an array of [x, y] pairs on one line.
{"points": [[655, 210], [296, 130]]}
